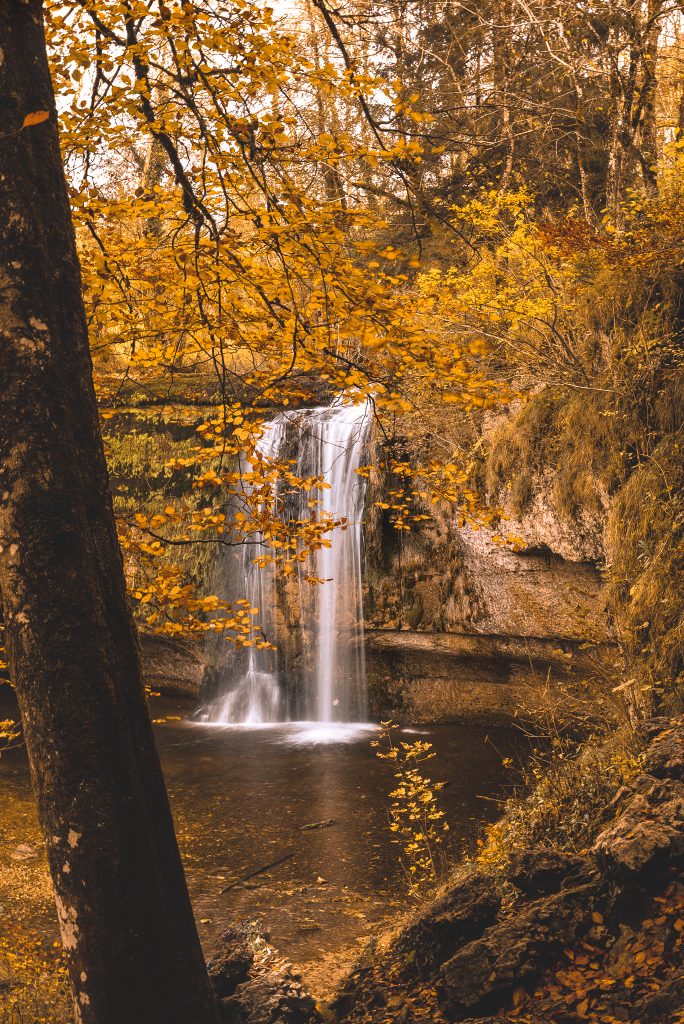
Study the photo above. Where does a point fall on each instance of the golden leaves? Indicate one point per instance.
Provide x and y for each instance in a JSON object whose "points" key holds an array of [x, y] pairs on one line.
{"points": [[417, 822], [36, 117], [603, 977]]}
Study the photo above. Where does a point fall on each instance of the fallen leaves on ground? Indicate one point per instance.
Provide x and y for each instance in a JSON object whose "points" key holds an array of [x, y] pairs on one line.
{"points": [[605, 977]]}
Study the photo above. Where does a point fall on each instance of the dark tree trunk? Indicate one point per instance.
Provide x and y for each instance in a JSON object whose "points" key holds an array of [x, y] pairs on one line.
{"points": [[125, 916]]}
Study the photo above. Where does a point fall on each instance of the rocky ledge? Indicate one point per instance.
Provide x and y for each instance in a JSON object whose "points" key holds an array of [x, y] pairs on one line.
{"points": [[459, 626], [253, 985], [171, 665], [557, 936], [418, 676]]}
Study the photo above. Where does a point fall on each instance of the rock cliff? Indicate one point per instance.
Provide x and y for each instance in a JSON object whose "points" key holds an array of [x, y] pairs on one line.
{"points": [[461, 624]]}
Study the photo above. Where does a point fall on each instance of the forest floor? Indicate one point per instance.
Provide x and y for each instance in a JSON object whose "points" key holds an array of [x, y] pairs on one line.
{"points": [[33, 982]]}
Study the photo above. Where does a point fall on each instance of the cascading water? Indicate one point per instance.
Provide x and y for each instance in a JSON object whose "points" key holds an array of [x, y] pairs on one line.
{"points": [[255, 697], [334, 671], [331, 685]]}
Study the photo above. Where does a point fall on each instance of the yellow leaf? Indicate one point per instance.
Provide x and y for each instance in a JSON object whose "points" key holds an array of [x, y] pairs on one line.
{"points": [[519, 996], [37, 117]]}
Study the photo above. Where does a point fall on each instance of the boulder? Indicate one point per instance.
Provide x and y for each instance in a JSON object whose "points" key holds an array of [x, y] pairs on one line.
{"points": [[664, 756], [648, 832], [515, 951], [453, 920], [540, 872], [641, 842]]}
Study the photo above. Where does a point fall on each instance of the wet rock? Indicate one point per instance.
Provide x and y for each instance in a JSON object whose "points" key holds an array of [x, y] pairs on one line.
{"points": [[172, 665], [457, 918], [254, 988], [234, 956], [276, 997], [540, 872], [513, 952]]}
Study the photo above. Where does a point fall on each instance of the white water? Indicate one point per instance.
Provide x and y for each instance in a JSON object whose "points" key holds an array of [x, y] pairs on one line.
{"points": [[334, 670], [255, 698], [330, 684]]}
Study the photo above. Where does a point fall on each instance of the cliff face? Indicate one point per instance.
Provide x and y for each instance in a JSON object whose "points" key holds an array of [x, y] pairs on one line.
{"points": [[460, 625]]}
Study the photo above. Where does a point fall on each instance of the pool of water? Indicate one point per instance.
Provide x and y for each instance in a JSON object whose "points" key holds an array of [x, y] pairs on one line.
{"points": [[242, 797]]}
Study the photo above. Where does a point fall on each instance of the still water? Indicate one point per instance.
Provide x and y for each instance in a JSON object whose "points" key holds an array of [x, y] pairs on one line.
{"points": [[241, 798]]}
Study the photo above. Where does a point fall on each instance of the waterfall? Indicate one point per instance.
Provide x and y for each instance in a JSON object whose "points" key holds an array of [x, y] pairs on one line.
{"points": [[334, 671], [330, 686], [256, 697]]}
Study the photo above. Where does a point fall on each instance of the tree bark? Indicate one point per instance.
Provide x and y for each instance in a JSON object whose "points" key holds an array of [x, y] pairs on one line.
{"points": [[125, 916]]}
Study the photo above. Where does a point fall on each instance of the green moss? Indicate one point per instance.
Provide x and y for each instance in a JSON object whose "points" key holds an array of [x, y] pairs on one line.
{"points": [[572, 442], [139, 443], [414, 615]]}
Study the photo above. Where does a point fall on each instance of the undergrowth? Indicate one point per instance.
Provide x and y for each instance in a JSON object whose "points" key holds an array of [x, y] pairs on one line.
{"points": [[417, 822], [603, 452], [33, 980], [560, 804]]}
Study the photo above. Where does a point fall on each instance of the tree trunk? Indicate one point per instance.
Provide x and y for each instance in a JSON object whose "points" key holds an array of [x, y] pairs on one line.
{"points": [[648, 121], [125, 916], [502, 44]]}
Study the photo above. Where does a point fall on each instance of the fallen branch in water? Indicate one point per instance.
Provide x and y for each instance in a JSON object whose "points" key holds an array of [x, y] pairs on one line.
{"points": [[318, 824], [259, 871]]}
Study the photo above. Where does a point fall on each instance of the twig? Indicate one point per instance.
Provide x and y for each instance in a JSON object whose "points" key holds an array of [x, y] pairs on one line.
{"points": [[259, 871]]}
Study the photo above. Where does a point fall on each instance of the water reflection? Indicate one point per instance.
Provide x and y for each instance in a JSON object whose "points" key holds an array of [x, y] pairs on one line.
{"points": [[303, 733], [241, 799]]}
